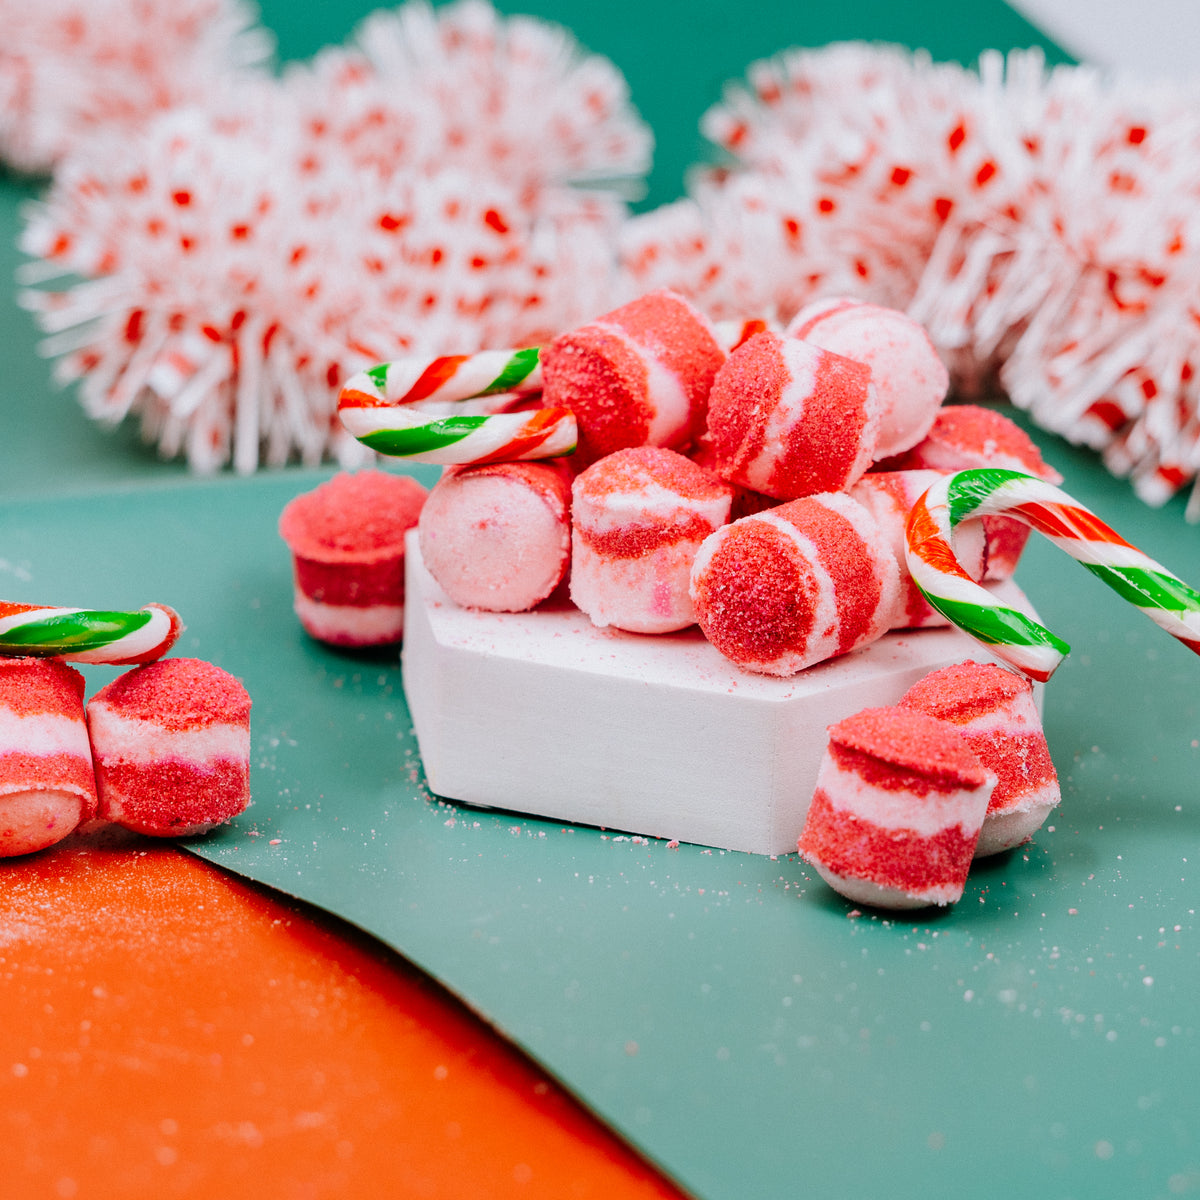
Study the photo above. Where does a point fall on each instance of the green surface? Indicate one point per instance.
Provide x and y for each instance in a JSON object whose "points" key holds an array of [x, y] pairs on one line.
{"points": [[721, 1010]]}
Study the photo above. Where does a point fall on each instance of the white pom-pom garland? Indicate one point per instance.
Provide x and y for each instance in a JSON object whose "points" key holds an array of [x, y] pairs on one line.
{"points": [[240, 259], [1043, 225], [445, 182], [73, 72]]}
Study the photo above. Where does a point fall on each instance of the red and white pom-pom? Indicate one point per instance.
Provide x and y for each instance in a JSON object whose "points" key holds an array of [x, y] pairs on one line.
{"points": [[514, 98], [235, 271], [1042, 224], [73, 71], [848, 162], [419, 196]]}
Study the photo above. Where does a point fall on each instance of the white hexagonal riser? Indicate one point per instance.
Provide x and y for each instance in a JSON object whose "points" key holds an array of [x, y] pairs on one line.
{"points": [[543, 713]]}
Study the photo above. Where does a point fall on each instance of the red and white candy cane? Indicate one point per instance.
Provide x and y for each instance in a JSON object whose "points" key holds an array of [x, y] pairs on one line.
{"points": [[427, 410], [417, 380], [1011, 635], [463, 439], [87, 635]]}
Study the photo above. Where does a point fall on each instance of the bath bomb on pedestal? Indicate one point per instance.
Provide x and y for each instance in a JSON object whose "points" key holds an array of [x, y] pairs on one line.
{"points": [[637, 376], [781, 590], [639, 516], [788, 419], [498, 536], [910, 378]]}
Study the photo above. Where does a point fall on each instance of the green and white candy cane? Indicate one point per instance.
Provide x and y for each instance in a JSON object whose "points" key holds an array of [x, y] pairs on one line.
{"points": [[88, 635], [1011, 635]]}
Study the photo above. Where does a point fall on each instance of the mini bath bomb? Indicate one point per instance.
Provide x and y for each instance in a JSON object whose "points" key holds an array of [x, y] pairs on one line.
{"points": [[910, 378], [498, 536], [994, 710], [637, 376], [788, 419], [896, 814], [347, 543], [171, 745], [792, 586], [639, 517], [47, 785]]}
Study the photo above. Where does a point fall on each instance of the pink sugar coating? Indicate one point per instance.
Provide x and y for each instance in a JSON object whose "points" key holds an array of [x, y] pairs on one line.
{"points": [[29, 686], [171, 796], [911, 379], [910, 742], [177, 694], [497, 536], [822, 449], [635, 468], [967, 435], [965, 691], [757, 596], [605, 381], [680, 338], [358, 517]]}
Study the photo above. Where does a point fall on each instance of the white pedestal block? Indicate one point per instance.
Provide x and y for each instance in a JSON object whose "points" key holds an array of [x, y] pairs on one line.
{"points": [[543, 713]]}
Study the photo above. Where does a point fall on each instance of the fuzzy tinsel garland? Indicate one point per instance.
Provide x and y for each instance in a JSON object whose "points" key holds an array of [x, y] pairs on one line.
{"points": [[241, 258]]}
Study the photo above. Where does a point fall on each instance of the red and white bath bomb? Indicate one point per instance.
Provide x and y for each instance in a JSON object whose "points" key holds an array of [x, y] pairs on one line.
{"points": [[47, 785], [889, 496], [899, 802], [639, 517], [994, 710], [498, 536], [910, 378], [637, 376], [171, 745], [795, 585], [968, 435], [347, 543], [789, 419]]}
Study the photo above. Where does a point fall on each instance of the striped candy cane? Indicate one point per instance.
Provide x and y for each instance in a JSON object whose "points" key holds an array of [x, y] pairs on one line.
{"points": [[88, 635], [453, 440], [1011, 635], [417, 380]]}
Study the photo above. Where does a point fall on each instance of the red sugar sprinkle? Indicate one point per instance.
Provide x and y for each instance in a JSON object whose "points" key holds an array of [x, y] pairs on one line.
{"points": [[895, 744], [849, 845], [756, 596], [357, 517], [29, 686], [177, 693], [965, 691], [635, 468], [842, 553]]}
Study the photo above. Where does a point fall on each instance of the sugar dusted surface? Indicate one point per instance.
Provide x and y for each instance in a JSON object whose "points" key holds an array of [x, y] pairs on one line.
{"points": [[353, 517], [907, 741], [40, 685], [177, 693]]}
